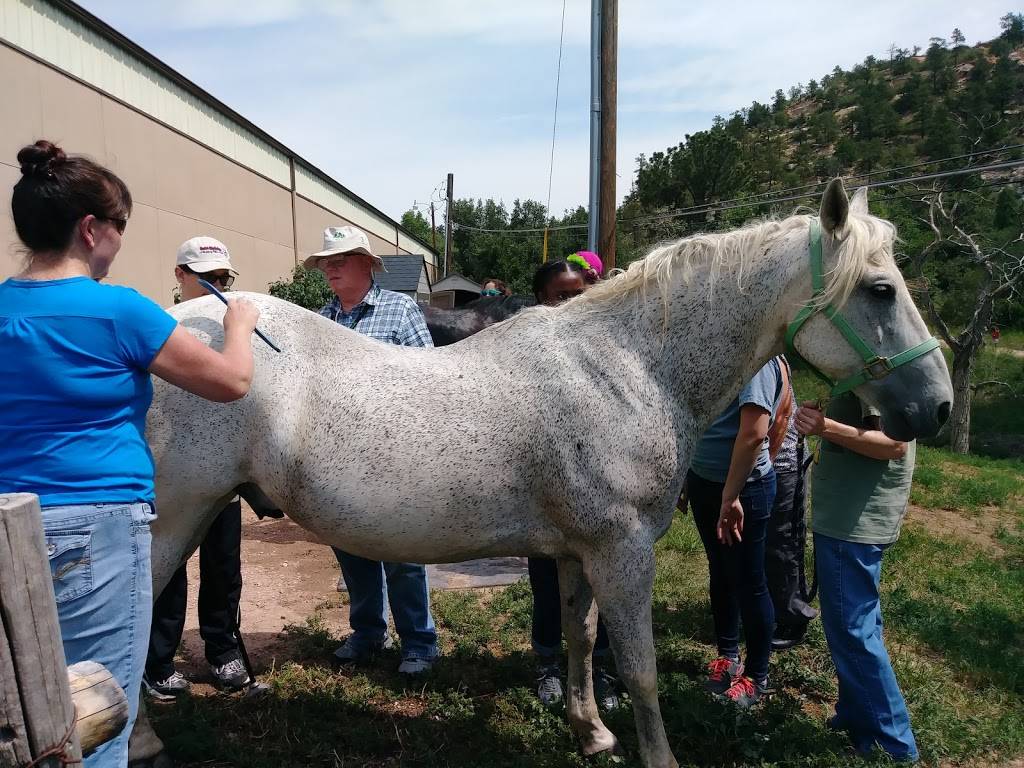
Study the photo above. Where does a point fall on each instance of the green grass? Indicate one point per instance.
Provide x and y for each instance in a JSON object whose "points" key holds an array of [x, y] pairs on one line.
{"points": [[967, 484], [954, 626]]}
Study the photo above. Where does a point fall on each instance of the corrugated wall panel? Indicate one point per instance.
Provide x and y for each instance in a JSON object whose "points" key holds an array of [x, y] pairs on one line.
{"points": [[312, 187], [69, 45], [52, 35]]}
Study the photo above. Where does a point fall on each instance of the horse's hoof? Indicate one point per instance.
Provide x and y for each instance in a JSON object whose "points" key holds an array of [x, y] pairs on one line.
{"points": [[160, 760], [604, 745]]}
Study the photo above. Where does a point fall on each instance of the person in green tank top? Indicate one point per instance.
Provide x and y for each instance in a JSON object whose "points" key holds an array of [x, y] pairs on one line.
{"points": [[859, 493]]}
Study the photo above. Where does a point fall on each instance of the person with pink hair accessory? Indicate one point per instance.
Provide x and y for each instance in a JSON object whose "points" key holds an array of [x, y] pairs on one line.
{"points": [[591, 264]]}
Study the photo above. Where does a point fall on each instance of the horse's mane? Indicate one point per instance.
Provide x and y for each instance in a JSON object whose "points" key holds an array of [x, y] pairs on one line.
{"points": [[863, 241]]}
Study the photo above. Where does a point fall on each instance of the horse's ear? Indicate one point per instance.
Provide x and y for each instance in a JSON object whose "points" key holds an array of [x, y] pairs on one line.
{"points": [[859, 202], [835, 206]]}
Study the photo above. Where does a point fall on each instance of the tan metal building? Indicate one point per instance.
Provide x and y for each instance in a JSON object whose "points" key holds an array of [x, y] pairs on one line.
{"points": [[193, 165]]}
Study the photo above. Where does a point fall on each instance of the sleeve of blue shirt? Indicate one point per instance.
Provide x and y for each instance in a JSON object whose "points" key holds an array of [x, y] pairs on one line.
{"points": [[763, 390], [142, 328], [414, 332]]}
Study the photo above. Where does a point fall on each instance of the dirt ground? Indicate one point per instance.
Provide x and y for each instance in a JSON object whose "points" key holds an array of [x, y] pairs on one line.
{"points": [[287, 575]]}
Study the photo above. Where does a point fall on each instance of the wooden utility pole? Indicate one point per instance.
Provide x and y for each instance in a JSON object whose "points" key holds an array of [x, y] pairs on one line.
{"points": [[433, 229], [448, 226], [609, 93]]}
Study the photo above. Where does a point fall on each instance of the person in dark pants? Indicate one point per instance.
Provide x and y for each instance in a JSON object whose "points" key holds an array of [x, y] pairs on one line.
{"points": [[220, 566], [731, 488], [553, 283], [787, 528], [220, 589]]}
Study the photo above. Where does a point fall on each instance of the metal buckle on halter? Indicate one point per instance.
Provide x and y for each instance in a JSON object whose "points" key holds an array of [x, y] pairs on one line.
{"points": [[878, 367]]}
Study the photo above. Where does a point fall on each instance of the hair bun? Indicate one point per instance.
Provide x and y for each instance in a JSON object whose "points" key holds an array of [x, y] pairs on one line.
{"points": [[41, 158]]}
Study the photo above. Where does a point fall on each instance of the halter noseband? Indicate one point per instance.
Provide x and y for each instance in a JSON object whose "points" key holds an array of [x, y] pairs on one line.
{"points": [[875, 366]]}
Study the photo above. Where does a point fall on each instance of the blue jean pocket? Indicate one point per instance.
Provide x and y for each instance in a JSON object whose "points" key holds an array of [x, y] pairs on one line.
{"points": [[70, 555]]}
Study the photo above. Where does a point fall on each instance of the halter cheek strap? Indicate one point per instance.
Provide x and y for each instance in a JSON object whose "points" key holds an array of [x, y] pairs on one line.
{"points": [[875, 366]]}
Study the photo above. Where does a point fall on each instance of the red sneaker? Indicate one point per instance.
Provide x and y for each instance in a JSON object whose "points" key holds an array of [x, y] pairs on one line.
{"points": [[721, 673], [744, 692]]}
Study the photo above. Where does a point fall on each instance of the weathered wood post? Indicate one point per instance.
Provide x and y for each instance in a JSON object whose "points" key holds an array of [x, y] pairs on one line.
{"points": [[38, 714]]}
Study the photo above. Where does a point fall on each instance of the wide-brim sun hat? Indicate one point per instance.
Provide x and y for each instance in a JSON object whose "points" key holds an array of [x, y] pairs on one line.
{"points": [[339, 240]]}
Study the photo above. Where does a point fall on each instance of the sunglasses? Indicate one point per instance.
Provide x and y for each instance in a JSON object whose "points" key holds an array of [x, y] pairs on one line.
{"points": [[224, 278], [119, 224], [331, 262], [490, 292]]}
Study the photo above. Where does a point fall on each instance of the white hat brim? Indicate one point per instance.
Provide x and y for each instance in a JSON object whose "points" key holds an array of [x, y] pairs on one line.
{"points": [[310, 261]]}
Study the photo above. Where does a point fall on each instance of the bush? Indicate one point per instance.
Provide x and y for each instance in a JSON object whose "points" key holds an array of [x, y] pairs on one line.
{"points": [[307, 288]]}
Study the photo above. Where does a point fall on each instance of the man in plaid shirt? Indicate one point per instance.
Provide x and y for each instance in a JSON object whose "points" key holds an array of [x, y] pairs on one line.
{"points": [[348, 263]]}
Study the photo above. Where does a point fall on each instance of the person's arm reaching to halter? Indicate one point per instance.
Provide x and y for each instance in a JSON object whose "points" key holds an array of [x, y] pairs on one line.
{"points": [[868, 440]]}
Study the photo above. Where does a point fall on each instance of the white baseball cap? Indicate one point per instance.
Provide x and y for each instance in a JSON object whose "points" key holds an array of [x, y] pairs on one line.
{"points": [[346, 239], [204, 254]]}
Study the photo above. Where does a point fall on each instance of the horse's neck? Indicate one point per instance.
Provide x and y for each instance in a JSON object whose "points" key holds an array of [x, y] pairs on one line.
{"points": [[714, 342]]}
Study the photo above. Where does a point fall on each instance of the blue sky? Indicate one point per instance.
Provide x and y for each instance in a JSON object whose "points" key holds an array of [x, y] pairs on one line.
{"points": [[390, 95]]}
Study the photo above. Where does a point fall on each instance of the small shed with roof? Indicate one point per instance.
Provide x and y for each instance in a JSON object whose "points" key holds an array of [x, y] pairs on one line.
{"points": [[454, 291], [406, 274]]}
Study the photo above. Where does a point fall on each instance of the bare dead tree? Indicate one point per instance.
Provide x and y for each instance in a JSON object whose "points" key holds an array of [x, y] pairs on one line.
{"points": [[1001, 275]]}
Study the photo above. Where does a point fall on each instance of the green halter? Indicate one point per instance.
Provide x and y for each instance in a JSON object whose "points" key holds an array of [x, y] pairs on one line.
{"points": [[875, 367]]}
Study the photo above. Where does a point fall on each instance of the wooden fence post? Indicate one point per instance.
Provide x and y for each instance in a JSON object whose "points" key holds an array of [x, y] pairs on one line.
{"points": [[38, 711]]}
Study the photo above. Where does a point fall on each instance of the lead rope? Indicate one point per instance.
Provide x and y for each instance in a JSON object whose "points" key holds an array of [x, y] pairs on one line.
{"points": [[58, 750]]}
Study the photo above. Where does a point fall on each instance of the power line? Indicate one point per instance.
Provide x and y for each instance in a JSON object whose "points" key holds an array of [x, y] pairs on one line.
{"points": [[966, 171], [818, 184], [554, 122]]}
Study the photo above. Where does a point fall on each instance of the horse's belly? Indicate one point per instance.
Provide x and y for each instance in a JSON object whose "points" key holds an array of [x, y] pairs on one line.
{"points": [[443, 533]]}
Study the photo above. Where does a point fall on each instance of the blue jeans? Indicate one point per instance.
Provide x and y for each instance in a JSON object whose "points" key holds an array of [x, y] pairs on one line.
{"points": [[99, 559], [870, 707], [372, 584], [738, 583]]}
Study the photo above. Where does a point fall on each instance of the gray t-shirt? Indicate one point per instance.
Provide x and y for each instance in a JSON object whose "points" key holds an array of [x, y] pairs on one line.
{"points": [[714, 450], [854, 497]]}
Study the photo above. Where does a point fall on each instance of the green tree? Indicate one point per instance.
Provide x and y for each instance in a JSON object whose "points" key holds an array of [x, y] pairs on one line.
{"points": [[416, 223], [1012, 25], [941, 137], [307, 288]]}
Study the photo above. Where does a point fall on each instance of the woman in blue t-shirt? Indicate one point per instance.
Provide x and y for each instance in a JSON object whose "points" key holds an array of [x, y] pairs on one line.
{"points": [[731, 487], [75, 359]]}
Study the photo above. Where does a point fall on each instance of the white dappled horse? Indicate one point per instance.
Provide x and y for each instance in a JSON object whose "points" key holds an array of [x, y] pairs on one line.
{"points": [[592, 412]]}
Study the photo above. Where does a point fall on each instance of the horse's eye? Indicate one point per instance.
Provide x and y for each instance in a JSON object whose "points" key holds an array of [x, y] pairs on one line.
{"points": [[883, 291]]}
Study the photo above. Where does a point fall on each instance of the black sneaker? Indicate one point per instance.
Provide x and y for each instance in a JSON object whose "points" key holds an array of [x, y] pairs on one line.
{"points": [[549, 684], [230, 676], [605, 689], [787, 636], [169, 688]]}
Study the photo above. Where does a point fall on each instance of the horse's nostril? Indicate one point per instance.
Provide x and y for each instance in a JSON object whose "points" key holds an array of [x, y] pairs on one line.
{"points": [[944, 412]]}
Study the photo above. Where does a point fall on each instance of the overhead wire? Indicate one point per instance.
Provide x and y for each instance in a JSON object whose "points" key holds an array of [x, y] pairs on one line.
{"points": [[719, 207]]}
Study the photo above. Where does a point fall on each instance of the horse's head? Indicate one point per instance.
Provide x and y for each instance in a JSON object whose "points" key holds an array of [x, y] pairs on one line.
{"points": [[862, 329]]}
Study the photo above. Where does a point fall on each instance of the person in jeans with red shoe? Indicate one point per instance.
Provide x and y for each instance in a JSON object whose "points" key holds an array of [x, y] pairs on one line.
{"points": [[860, 489], [731, 488]]}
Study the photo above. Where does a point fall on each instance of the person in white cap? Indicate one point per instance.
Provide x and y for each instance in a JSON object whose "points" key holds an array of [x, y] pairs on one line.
{"points": [[348, 262], [206, 258], [220, 581]]}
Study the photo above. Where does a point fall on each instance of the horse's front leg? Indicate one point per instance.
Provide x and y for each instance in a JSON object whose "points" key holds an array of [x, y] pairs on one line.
{"points": [[145, 750], [622, 577], [579, 623]]}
